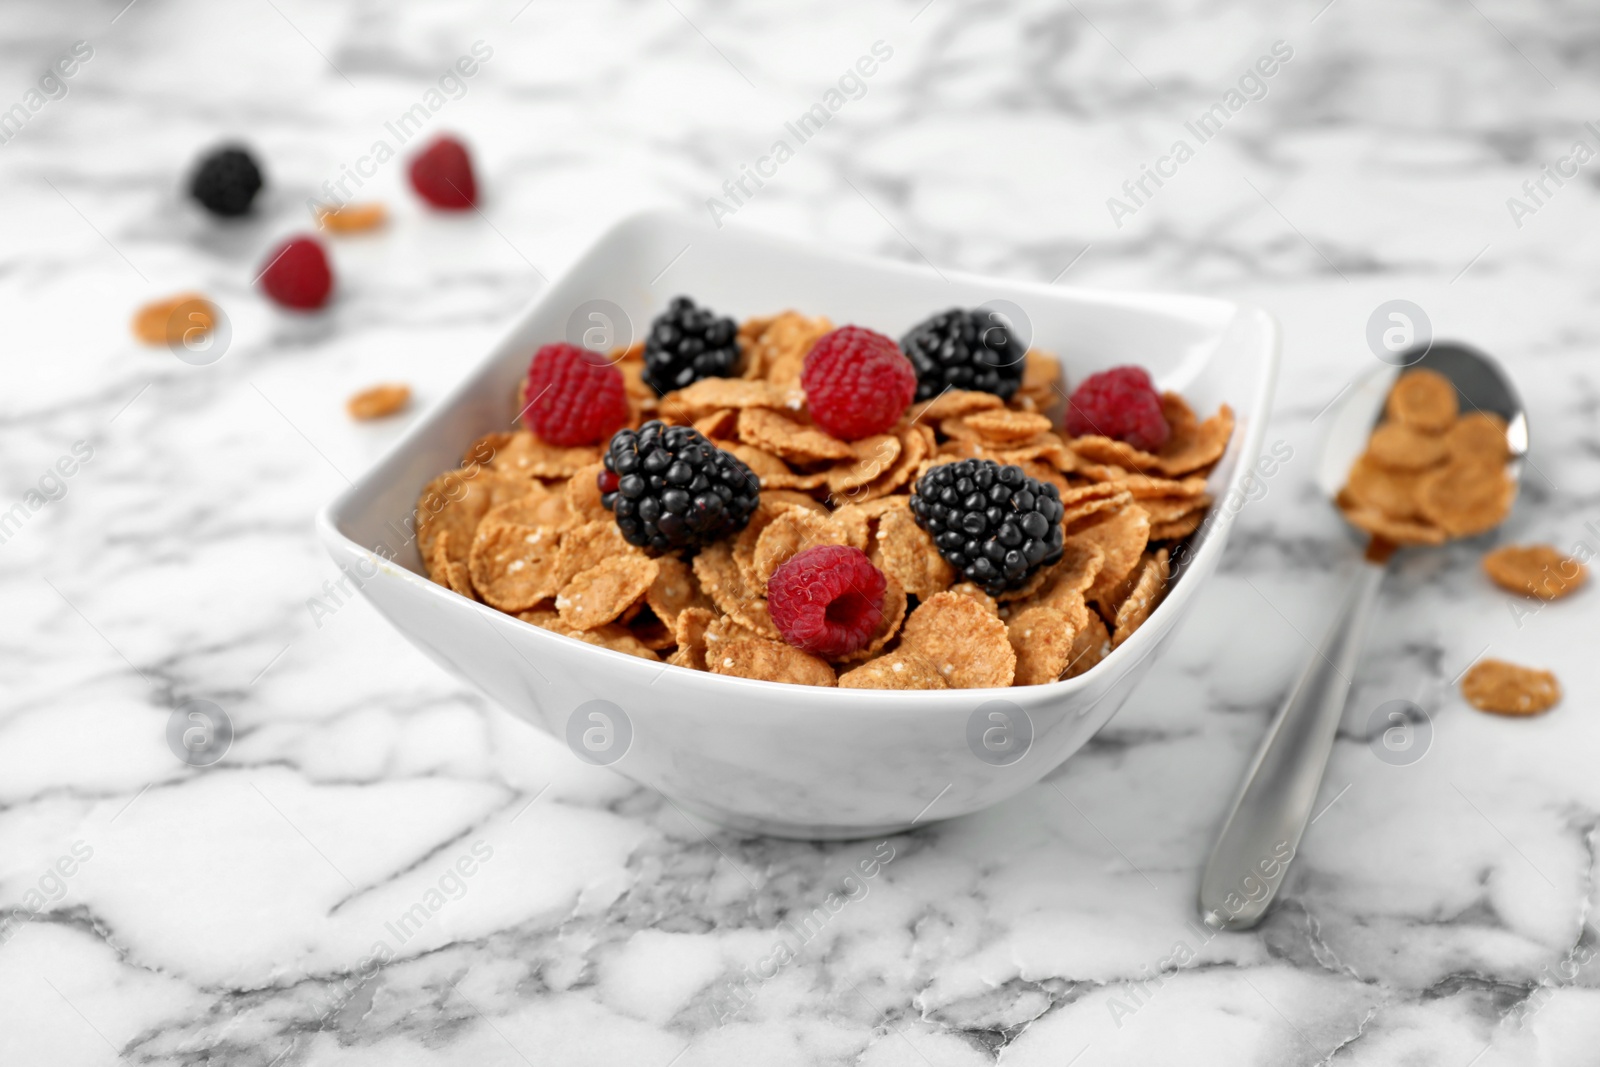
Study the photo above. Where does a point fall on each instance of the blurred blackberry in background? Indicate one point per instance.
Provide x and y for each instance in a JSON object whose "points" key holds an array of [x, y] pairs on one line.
{"points": [[226, 181]]}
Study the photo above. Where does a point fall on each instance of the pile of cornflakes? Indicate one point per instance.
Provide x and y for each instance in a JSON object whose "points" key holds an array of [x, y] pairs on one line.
{"points": [[520, 526], [1429, 473]]}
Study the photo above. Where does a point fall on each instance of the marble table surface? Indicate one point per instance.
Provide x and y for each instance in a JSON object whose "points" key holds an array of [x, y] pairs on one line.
{"points": [[1442, 909]]}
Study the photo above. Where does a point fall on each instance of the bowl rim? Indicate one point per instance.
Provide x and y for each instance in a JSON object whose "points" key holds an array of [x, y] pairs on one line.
{"points": [[1140, 645]]}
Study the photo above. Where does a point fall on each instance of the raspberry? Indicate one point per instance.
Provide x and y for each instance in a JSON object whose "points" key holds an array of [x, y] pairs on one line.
{"points": [[827, 600], [671, 489], [297, 274], [226, 181], [573, 396], [1120, 403], [857, 382], [442, 175]]}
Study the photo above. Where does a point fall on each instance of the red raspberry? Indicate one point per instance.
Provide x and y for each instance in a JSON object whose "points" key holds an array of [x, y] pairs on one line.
{"points": [[574, 397], [857, 382], [1120, 403], [827, 600], [297, 274], [442, 175]]}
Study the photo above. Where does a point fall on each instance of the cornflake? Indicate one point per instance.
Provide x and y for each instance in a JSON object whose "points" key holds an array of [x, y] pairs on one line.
{"points": [[904, 551], [1535, 570], [674, 591], [513, 567], [967, 644], [603, 593], [1093, 644], [378, 402], [1143, 593], [894, 670], [446, 570], [158, 323], [770, 661], [1122, 538], [1043, 639], [1507, 689]]}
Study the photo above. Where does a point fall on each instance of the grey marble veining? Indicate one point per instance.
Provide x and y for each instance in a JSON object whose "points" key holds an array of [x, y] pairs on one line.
{"points": [[254, 912]]}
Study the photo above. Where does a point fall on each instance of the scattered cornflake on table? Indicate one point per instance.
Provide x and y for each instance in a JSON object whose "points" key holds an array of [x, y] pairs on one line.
{"points": [[1507, 689], [1534, 570], [352, 218], [187, 316], [378, 402]]}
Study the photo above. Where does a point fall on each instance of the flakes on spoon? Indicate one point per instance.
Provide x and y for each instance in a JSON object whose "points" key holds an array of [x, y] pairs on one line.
{"points": [[1427, 476]]}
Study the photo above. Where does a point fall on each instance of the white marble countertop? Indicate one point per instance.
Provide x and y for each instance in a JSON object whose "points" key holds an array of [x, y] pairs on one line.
{"points": [[1439, 912]]}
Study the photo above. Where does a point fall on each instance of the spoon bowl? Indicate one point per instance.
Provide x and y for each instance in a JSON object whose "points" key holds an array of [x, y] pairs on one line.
{"points": [[1481, 385]]}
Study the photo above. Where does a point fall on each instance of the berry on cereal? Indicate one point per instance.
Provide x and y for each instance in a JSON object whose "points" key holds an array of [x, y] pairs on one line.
{"points": [[226, 181], [297, 274], [687, 344], [962, 349], [573, 396], [1122, 404], [671, 489], [827, 600], [992, 523], [442, 175], [857, 383]]}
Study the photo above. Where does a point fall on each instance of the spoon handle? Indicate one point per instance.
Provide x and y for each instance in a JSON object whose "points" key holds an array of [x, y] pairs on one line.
{"points": [[1263, 830]]}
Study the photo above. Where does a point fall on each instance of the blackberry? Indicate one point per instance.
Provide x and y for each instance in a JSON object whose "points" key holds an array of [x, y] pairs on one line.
{"points": [[687, 343], [959, 349], [670, 488], [226, 181], [994, 524]]}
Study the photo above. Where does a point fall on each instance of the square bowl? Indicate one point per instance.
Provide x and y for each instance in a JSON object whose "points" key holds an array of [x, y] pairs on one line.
{"points": [[791, 760]]}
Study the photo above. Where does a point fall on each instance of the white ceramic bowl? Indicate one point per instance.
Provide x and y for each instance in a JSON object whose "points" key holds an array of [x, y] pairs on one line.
{"points": [[792, 760]]}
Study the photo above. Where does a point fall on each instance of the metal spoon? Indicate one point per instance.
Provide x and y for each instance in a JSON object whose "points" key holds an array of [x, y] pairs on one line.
{"points": [[1262, 832]]}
